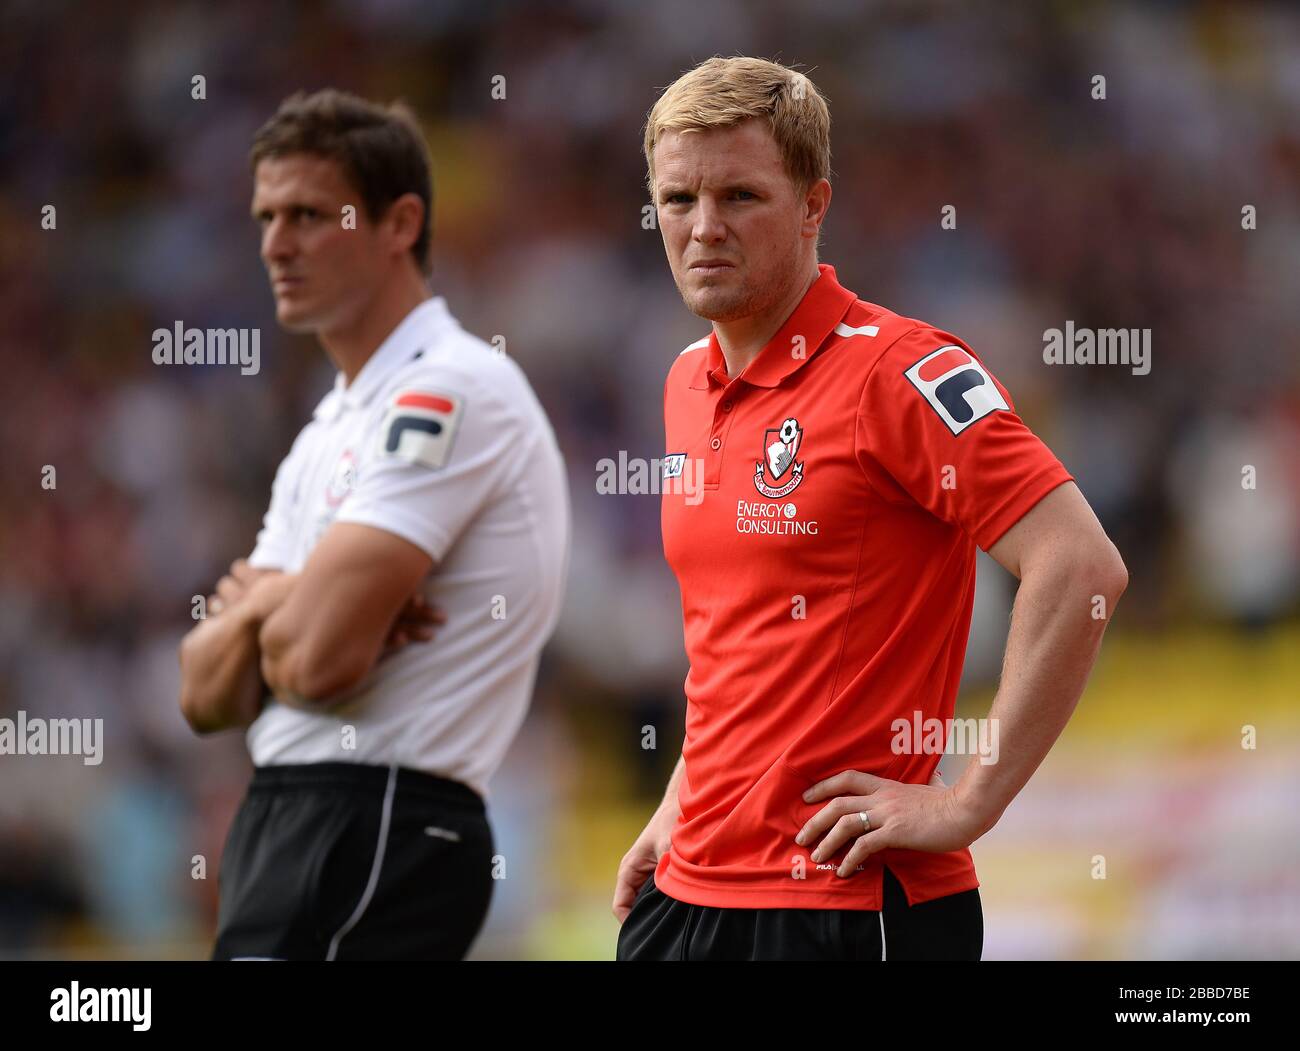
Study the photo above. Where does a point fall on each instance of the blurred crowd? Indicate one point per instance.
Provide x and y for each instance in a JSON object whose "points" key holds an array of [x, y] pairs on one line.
{"points": [[1124, 211]]}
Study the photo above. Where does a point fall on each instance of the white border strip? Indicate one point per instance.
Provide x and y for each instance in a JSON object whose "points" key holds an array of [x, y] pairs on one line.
{"points": [[359, 911]]}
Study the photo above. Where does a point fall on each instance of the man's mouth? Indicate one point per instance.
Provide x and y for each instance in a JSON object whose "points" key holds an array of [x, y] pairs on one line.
{"points": [[706, 267]]}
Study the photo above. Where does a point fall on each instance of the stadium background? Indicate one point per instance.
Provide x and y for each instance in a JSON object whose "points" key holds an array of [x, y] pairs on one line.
{"points": [[1125, 212]]}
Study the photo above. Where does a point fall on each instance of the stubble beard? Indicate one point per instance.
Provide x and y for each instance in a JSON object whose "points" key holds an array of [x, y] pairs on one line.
{"points": [[745, 299], [713, 304], [716, 303]]}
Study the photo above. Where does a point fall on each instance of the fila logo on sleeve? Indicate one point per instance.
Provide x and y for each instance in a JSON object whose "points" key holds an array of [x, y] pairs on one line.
{"points": [[420, 427], [956, 386]]}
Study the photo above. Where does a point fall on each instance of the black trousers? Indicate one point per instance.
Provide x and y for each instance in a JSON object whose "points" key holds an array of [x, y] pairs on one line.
{"points": [[345, 861], [663, 928]]}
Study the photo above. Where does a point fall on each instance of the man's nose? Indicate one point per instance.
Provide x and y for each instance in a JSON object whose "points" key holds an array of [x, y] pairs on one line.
{"points": [[277, 241], [708, 227]]}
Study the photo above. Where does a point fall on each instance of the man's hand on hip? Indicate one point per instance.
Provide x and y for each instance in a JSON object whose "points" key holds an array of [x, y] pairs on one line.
{"points": [[639, 863], [911, 817]]}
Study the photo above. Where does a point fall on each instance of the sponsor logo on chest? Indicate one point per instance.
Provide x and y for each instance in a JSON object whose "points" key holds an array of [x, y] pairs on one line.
{"points": [[779, 473], [339, 484], [342, 481]]}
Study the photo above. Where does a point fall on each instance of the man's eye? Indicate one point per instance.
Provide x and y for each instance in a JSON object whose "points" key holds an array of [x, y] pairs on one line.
{"points": [[744, 195], [678, 198]]}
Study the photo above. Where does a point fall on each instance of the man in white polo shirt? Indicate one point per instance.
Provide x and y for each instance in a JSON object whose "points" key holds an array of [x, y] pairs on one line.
{"points": [[428, 478]]}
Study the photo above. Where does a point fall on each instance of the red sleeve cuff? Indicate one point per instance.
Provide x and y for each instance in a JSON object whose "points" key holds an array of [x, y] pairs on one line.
{"points": [[1018, 503]]}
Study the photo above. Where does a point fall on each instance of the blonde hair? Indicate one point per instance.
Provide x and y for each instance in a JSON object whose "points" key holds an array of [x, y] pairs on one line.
{"points": [[722, 92]]}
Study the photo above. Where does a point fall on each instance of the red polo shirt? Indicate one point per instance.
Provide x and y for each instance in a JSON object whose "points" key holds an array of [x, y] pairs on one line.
{"points": [[823, 528]]}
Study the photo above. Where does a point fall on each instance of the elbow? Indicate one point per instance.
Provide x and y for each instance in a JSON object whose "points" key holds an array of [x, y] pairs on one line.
{"points": [[311, 670], [191, 702], [1100, 574], [200, 713], [320, 682], [1111, 573], [195, 713], [189, 707]]}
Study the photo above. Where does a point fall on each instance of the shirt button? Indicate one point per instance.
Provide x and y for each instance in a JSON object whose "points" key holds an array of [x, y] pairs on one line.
{"points": [[726, 406], [716, 444]]}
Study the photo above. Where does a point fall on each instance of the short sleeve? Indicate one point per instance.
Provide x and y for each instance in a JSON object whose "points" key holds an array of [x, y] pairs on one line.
{"points": [[935, 428], [441, 454], [273, 548]]}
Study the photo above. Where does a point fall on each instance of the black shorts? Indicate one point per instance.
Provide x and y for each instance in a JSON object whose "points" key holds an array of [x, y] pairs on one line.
{"points": [[344, 861], [663, 928]]}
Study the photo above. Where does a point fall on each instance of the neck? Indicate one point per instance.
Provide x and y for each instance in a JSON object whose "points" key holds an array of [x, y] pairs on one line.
{"points": [[350, 346], [742, 339]]}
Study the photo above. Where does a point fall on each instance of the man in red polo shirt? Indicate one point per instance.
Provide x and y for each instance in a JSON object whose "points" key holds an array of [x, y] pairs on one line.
{"points": [[852, 461]]}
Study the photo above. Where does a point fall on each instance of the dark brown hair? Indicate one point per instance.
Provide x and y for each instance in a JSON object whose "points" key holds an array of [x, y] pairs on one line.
{"points": [[380, 149]]}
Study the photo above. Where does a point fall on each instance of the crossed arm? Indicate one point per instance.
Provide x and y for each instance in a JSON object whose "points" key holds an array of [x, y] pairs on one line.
{"points": [[306, 637]]}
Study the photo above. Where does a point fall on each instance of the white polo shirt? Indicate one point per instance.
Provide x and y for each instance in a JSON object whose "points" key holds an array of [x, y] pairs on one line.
{"points": [[440, 440]]}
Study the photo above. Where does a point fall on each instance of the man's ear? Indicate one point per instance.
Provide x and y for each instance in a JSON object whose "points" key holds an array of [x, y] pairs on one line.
{"points": [[817, 202], [405, 220]]}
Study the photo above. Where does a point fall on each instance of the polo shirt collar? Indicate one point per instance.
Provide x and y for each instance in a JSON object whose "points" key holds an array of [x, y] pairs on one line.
{"points": [[411, 334], [821, 309]]}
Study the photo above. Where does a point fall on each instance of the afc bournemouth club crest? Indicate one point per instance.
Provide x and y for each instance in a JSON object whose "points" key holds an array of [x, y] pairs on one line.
{"points": [[342, 481], [778, 474]]}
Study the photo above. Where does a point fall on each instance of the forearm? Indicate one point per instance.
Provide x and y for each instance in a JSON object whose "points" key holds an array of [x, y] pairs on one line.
{"points": [[302, 668], [221, 684], [1051, 648], [669, 807], [221, 680]]}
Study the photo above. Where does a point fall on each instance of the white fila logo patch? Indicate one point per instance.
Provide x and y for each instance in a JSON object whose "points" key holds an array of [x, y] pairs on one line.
{"points": [[956, 386], [420, 426], [848, 330]]}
